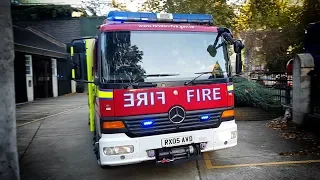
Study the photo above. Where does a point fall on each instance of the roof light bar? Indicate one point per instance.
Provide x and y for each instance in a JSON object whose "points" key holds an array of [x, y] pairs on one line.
{"points": [[121, 16]]}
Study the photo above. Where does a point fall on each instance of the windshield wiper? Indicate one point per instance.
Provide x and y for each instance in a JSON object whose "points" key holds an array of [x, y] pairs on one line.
{"points": [[207, 80], [201, 73], [148, 75]]}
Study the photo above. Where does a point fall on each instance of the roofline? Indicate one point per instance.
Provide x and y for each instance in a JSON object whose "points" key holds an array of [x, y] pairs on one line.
{"points": [[39, 51], [46, 36]]}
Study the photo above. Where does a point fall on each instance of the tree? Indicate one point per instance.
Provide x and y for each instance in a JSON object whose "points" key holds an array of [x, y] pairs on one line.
{"points": [[96, 7], [252, 94], [153, 6], [119, 6], [9, 165], [217, 69], [277, 28], [222, 13], [99, 7], [123, 56]]}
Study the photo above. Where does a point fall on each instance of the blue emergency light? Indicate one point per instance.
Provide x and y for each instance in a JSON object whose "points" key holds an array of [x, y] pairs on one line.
{"points": [[159, 17], [204, 117], [147, 123]]}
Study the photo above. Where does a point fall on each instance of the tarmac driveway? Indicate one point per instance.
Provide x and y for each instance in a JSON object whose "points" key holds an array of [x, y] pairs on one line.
{"points": [[60, 147]]}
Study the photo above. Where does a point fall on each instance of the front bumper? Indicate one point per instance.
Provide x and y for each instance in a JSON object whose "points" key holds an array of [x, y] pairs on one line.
{"points": [[218, 138]]}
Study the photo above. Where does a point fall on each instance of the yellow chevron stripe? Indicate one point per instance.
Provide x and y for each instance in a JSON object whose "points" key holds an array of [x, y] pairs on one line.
{"points": [[230, 87], [105, 94]]}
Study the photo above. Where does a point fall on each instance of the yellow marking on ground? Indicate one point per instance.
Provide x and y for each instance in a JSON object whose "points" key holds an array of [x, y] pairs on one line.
{"points": [[52, 115], [207, 160], [209, 164]]}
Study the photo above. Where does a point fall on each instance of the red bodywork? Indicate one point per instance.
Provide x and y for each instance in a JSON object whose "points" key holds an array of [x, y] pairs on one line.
{"points": [[160, 100], [156, 27]]}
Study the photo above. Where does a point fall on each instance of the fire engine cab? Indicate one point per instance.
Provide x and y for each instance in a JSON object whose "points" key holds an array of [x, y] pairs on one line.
{"points": [[159, 86]]}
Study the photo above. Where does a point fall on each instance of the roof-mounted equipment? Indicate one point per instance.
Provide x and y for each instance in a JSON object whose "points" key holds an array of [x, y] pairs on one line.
{"points": [[123, 17]]}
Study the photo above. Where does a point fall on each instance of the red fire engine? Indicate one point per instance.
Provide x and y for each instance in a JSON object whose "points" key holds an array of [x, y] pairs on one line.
{"points": [[159, 86]]}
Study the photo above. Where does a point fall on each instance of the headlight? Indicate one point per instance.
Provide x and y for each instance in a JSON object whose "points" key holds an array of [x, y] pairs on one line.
{"points": [[117, 150]]}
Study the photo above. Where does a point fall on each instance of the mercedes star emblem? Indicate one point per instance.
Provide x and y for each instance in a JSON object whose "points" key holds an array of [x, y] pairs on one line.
{"points": [[177, 114]]}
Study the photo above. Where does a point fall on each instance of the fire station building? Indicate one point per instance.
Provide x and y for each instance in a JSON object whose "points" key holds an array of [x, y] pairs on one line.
{"points": [[41, 66]]}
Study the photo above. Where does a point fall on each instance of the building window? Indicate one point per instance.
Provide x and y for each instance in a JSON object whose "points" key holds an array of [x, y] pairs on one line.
{"points": [[28, 64]]}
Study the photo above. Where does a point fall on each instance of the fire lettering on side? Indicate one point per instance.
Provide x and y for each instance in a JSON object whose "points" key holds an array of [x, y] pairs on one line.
{"points": [[144, 98], [204, 94]]}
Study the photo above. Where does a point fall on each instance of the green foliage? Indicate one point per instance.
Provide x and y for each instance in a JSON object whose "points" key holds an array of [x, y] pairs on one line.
{"points": [[251, 94], [153, 6], [275, 28], [98, 7], [117, 5], [95, 7], [42, 12], [222, 13]]}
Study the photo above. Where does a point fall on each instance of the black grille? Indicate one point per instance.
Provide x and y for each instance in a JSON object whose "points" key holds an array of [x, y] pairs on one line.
{"points": [[163, 125]]}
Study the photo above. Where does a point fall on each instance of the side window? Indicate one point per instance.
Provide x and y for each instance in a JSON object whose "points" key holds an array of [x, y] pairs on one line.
{"points": [[95, 58], [104, 64]]}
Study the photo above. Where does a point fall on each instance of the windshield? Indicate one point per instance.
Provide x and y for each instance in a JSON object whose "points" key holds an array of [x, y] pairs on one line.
{"points": [[127, 55]]}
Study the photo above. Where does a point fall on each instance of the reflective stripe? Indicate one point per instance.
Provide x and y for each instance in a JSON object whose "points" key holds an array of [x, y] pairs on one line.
{"points": [[230, 87], [89, 44], [73, 70], [71, 50], [105, 94]]}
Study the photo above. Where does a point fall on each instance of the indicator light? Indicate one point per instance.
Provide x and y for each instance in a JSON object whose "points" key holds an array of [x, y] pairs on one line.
{"points": [[113, 125], [227, 113]]}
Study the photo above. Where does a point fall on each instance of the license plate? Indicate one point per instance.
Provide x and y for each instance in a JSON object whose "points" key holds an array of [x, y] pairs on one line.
{"points": [[177, 141]]}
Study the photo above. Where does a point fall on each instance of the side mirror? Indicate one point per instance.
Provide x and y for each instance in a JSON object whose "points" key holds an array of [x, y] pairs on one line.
{"points": [[78, 60], [77, 51], [212, 50], [238, 46], [79, 47], [77, 66]]}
